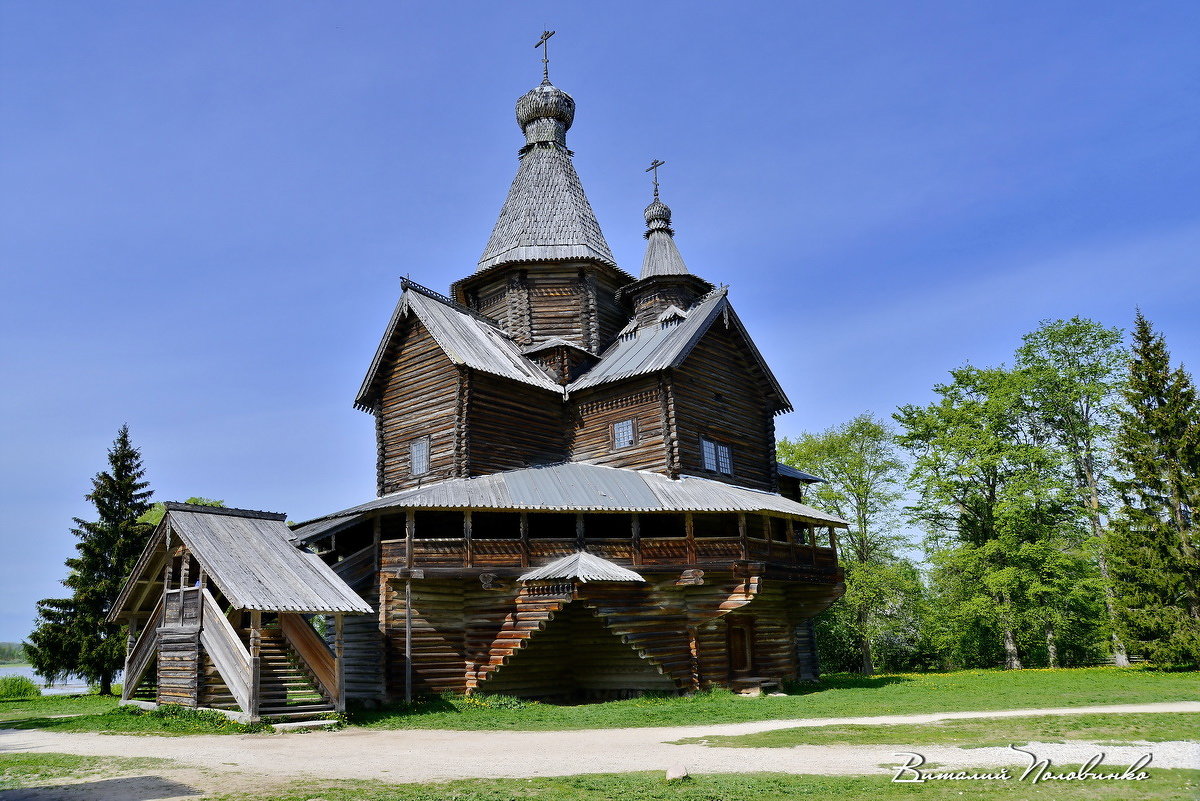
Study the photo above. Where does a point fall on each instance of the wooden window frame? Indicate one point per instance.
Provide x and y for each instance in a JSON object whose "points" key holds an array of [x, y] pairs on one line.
{"points": [[717, 447], [633, 434], [412, 462]]}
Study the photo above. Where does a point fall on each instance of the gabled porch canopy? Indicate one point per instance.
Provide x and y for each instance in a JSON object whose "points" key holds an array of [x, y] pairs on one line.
{"points": [[248, 555]]}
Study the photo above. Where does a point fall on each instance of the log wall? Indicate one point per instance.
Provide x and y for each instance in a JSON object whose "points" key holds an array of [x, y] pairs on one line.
{"points": [[594, 413], [717, 394], [179, 666], [511, 425], [419, 398]]}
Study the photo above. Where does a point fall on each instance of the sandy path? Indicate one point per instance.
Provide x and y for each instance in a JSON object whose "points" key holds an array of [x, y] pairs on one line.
{"points": [[421, 755]]}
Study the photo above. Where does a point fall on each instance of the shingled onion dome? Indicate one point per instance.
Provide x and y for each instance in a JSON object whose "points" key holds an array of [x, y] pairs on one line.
{"points": [[545, 113], [662, 255]]}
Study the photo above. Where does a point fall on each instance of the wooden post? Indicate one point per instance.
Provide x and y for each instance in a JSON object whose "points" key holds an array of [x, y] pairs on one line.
{"points": [[377, 535], [408, 640], [791, 538], [131, 639], [339, 655], [694, 653], [255, 673], [580, 535], [636, 534], [410, 528], [468, 548], [743, 544], [833, 542], [690, 529], [524, 539], [185, 569]]}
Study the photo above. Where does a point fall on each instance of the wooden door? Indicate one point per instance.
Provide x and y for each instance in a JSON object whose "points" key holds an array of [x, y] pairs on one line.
{"points": [[741, 646]]}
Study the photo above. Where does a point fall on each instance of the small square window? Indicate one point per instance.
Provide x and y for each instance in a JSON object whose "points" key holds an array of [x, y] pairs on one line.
{"points": [[624, 434], [418, 454], [718, 458]]}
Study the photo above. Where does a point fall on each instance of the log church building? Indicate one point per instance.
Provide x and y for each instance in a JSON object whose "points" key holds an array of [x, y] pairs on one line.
{"points": [[577, 497]]}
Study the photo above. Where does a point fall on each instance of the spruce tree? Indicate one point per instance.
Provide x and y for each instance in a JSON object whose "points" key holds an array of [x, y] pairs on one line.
{"points": [[72, 637], [1153, 537]]}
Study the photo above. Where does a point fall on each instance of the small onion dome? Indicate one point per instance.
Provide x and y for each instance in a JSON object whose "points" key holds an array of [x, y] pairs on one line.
{"points": [[658, 211], [546, 102]]}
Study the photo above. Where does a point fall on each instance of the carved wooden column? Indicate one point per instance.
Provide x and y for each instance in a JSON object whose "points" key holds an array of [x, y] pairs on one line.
{"points": [[255, 659]]}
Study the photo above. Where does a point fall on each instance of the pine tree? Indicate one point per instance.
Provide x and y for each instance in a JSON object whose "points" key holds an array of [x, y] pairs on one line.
{"points": [[72, 637], [1153, 538]]}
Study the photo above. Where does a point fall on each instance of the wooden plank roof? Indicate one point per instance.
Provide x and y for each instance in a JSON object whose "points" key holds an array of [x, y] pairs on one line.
{"points": [[250, 557], [583, 566], [577, 487]]}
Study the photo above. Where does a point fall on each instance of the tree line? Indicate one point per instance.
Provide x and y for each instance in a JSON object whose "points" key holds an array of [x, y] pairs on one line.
{"points": [[1055, 501]]}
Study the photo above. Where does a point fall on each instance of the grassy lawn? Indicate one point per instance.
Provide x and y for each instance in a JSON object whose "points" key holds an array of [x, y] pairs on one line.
{"points": [[838, 695], [1162, 784], [46, 705], [101, 714], [21, 770], [1106, 729]]}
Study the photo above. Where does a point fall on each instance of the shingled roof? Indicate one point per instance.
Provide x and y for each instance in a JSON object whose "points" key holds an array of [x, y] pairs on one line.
{"points": [[546, 216]]}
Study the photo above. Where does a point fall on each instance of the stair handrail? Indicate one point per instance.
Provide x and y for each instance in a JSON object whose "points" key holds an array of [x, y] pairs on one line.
{"points": [[312, 650], [139, 656], [226, 651]]}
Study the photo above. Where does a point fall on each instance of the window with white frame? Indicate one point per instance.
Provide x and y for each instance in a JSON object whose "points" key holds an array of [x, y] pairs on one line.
{"points": [[717, 456], [418, 455], [624, 433]]}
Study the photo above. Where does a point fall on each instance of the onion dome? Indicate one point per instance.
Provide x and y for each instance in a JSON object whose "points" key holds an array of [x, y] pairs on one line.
{"points": [[658, 217], [545, 113]]}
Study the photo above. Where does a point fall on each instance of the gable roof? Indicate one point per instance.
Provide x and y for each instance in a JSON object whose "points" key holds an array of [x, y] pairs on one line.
{"points": [[576, 487], [659, 346], [546, 216], [250, 557], [466, 337], [583, 566]]}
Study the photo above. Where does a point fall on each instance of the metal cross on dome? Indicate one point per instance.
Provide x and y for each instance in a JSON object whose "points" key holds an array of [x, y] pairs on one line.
{"points": [[544, 43], [654, 165]]}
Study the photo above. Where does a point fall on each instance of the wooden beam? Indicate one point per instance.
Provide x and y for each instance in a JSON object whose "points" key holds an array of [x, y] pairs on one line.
{"points": [[524, 539], [339, 655], [690, 529], [636, 535], [255, 659], [468, 550]]}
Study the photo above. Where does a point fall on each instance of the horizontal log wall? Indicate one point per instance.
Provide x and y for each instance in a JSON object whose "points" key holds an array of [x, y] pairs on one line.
{"points": [[512, 425], [179, 666], [594, 413], [419, 398], [718, 394]]}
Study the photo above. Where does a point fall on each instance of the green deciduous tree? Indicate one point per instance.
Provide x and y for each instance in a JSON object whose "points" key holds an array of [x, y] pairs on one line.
{"points": [[864, 474], [72, 637], [1074, 370], [157, 511], [1153, 541], [1001, 514]]}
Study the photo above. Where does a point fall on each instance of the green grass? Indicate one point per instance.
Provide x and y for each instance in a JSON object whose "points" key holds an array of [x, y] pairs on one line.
{"points": [[1163, 785], [46, 705], [838, 695], [18, 687], [1106, 729], [21, 770], [166, 720]]}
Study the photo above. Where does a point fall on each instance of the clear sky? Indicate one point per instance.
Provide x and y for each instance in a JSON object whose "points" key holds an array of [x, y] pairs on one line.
{"points": [[206, 207]]}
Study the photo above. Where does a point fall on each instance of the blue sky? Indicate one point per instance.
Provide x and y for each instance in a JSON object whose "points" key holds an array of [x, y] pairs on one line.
{"points": [[206, 207]]}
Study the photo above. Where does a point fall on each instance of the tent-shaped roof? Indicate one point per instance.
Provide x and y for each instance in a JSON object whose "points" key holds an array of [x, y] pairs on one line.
{"points": [[583, 566], [249, 556]]}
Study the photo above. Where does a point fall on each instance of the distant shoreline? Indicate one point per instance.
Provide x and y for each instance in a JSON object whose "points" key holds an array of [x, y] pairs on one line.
{"points": [[15, 664]]}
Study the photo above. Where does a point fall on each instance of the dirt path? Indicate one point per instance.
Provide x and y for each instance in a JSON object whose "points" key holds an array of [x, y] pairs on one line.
{"points": [[424, 755]]}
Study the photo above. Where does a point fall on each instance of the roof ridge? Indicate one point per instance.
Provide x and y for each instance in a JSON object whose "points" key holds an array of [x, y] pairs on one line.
{"points": [[407, 283], [179, 506]]}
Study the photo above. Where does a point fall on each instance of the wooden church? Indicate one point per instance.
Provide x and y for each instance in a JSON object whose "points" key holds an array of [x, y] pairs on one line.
{"points": [[577, 497]]}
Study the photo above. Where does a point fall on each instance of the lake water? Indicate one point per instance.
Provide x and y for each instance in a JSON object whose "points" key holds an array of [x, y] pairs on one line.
{"points": [[70, 687]]}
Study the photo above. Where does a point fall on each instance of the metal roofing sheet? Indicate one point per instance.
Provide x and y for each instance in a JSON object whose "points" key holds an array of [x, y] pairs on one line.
{"points": [[584, 566], [254, 563], [463, 337], [655, 346], [575, 486]]}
